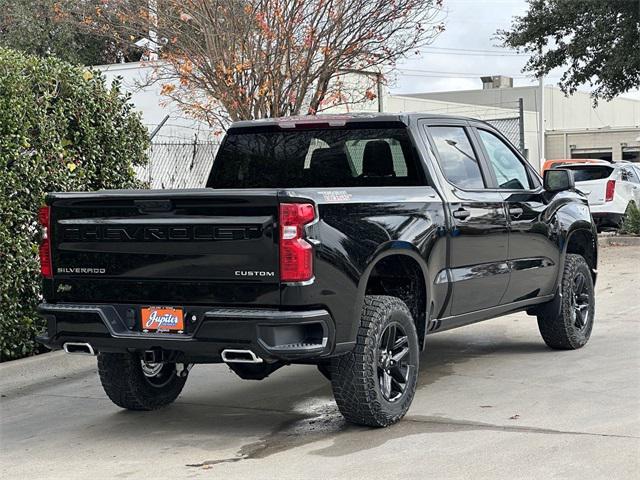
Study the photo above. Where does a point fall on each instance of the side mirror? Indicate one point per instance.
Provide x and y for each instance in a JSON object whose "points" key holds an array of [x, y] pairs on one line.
{"points": [[558, 180]]}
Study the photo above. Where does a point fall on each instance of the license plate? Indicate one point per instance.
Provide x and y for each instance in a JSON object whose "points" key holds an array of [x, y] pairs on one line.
{"points": [[162, 319]]}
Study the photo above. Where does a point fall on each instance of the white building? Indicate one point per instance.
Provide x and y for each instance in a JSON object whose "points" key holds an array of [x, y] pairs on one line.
{"points": [[145, 95], [573, 127]]}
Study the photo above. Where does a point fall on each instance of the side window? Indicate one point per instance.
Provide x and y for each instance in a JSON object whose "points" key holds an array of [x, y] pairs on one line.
{"points": [[509, 170], [457, 159], [629, 175]]}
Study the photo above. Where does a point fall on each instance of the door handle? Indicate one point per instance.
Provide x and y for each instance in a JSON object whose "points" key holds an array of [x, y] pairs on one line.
{"points": [[461, 214], [515, 212]]}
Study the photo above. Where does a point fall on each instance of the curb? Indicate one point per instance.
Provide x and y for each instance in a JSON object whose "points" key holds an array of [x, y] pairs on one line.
{"points": [[618, 241], [30, 371]]}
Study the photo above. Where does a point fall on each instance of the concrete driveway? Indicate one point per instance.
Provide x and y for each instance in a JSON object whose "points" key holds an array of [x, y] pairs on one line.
{"points": [[492, 402]]}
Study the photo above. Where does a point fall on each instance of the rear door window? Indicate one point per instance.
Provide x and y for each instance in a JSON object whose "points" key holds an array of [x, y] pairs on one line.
{"points": [[456, 157], [586, 173]]}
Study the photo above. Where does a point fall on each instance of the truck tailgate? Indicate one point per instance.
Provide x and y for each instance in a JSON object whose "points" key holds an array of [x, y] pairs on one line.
{"points": [[166, 246]]}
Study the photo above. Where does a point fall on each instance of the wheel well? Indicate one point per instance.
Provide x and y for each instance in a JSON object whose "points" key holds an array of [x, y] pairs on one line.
{"points": [[401, 276], [583, 242]]}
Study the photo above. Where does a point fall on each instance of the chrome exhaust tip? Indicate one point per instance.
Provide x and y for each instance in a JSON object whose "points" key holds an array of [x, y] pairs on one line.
{"points": [[240, 356], [77, 348]]}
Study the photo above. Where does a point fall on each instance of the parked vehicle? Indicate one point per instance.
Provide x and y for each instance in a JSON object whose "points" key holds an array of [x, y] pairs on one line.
{"points": [[562, 162], [340, 241], [611, 189]]}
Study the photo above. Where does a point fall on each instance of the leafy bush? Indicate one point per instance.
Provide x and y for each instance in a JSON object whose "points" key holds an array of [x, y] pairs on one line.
{"points": [[61, 129], [631, 223]]}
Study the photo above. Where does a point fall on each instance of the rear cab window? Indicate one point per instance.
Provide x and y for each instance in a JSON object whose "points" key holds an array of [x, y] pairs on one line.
{"points": [[350, 156]]}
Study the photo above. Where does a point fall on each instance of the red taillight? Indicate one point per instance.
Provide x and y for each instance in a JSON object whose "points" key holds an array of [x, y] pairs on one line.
{"points": [[296, 254], [611, 188], [44, 217]]}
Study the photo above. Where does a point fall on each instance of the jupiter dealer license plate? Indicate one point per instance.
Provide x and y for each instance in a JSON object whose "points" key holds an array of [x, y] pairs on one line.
{"points": [[162, 319]]}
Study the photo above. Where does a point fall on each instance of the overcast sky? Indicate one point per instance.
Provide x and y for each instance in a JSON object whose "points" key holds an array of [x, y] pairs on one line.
{"points": [[448, 64]]}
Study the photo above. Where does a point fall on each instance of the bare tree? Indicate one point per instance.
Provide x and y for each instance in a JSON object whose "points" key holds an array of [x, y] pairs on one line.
{"points": [[227, 60]]}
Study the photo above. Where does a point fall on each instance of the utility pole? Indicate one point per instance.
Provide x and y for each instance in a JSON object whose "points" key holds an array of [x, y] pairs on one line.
{"points": [[153, 30], [380, 92], [541, 119], [521, 123], [541, 122]]}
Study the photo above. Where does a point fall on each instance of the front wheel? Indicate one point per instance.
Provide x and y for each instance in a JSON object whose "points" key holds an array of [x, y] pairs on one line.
{"points": [[566, 323], [374, 384], [135, 385]]}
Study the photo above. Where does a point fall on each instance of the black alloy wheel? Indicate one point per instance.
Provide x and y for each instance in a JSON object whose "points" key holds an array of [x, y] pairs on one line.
{"points": [[393, 362], [581, 300]]}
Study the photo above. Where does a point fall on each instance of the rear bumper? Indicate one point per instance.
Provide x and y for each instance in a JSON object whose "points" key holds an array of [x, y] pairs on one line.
{"points": [[607, 219], [271, 334]]}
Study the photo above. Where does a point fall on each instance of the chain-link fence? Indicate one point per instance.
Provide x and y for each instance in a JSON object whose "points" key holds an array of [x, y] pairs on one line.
{"points": [[510, 128], [178, 165]]}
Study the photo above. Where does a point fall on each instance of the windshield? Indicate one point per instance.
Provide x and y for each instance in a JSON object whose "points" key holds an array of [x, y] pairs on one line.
{"points": [[344, 157], [585, 173]]}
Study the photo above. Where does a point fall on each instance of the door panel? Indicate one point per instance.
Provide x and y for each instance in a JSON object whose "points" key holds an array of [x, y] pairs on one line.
{"points": [[532, 256], [479, 243], [478, 233]]}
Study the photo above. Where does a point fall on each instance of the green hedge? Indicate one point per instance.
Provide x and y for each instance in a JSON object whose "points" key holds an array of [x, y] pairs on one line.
{"points": [[61, 129], [631, 224]]}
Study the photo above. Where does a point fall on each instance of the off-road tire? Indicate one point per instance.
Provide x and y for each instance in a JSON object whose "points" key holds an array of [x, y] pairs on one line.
{"points": [[126, 385], [355, 375], [557, 320]]}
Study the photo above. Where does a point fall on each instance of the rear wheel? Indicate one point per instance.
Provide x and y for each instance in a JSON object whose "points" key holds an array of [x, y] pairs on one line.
{"points": [[566, 323], [135, 385], [375, 384]]}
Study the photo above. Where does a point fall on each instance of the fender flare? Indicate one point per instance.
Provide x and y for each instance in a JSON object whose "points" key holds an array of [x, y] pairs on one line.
{"points": [[387, 249], [576, 228]]}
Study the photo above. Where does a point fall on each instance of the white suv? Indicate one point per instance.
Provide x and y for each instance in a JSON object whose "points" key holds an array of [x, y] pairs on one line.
{"points": [[611, 188]]}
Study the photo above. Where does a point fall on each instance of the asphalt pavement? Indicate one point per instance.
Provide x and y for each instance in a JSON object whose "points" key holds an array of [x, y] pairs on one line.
{"points": [[492, 402]]}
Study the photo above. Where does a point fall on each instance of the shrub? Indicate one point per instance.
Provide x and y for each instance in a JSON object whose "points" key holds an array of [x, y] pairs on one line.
{"points": [[61, 129], [631, 224]]}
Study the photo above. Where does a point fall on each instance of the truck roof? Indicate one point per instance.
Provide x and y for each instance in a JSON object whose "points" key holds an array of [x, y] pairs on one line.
{"points": [[342, 118]]}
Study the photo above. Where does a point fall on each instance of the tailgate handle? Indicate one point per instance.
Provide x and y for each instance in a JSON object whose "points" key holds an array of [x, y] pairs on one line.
{"points": [[148, 206]]}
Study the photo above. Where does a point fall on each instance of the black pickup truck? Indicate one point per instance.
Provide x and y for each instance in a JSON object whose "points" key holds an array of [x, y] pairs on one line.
{"points": [[338, 241]]}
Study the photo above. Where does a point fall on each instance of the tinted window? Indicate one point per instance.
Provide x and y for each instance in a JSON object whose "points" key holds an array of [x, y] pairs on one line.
{"points": [[316, 158], [585, 173], [456, 157], [629, 174], [510, 172], [356, 150]]}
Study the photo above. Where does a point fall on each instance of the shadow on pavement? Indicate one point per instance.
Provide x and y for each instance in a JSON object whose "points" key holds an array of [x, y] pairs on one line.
{"points": [[297, 409]]}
